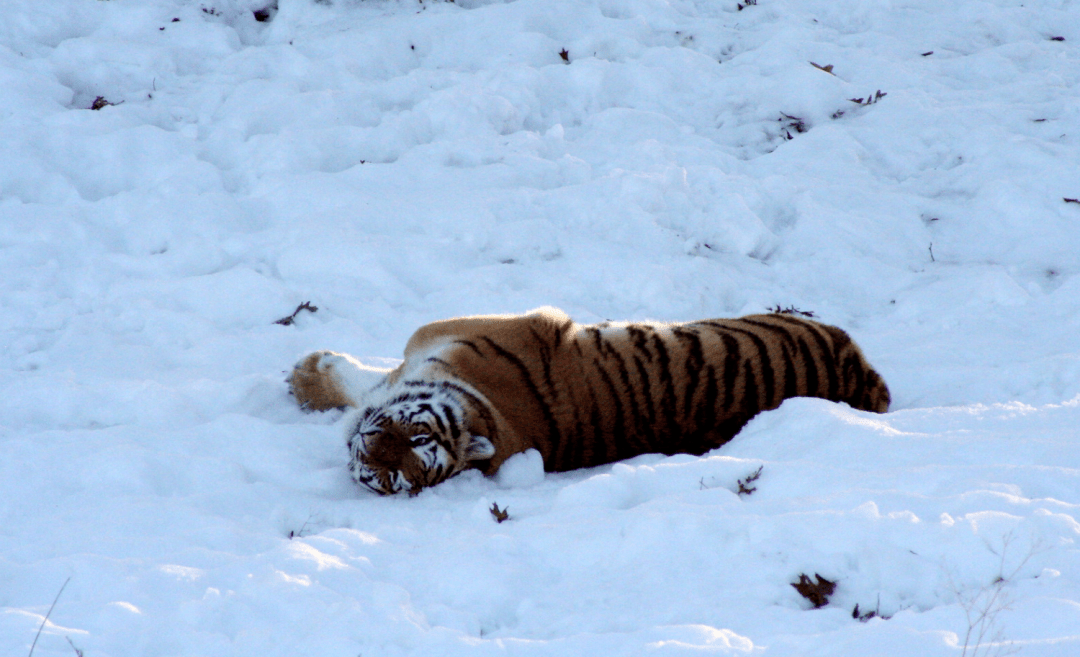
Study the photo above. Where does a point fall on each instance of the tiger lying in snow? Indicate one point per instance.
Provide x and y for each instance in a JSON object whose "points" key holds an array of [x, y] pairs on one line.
{"points": [[473, 391]]}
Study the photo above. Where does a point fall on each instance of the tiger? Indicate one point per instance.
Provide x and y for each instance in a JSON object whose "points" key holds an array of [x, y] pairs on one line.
{"points": [[473, 391]]}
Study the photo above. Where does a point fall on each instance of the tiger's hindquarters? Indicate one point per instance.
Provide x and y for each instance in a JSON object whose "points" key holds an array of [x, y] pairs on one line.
{"points": [[830, 364], [864, 389], [876, 395]]}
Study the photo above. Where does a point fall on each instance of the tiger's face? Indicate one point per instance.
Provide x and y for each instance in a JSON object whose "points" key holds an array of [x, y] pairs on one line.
{"points": [[411, 442]]}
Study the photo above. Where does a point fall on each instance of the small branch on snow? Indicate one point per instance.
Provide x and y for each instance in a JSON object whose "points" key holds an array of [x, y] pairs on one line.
{"points": [[867, 615], [792, 123], [78, 653], [791, 310], [299, 533], [46, 619], [984, 636], [744, 484], [100, 102], [869, 100], [288, 321]]}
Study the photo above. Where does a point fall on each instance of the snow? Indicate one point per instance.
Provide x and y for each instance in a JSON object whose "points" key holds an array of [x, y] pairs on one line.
{"points": [[395, 162]]}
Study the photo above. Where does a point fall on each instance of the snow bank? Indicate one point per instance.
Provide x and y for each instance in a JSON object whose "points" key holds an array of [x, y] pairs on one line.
{"points": [[394, 162]]}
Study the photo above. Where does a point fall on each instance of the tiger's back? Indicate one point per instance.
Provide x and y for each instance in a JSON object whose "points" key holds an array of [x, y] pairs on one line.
{"points": [[588, 395]]}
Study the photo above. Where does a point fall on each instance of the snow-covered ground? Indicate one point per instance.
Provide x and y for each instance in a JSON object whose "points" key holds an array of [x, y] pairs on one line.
{"points": [[397, 161]]}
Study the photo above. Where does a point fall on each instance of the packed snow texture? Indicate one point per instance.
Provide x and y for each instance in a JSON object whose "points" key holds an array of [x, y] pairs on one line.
{"points": [[395, 162]]}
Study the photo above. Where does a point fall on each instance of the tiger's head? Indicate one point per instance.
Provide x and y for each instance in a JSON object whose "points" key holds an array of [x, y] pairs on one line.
{"points": [[414, 440]]}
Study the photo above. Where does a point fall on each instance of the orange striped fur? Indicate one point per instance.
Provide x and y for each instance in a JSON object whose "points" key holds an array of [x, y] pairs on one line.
{"points": [[477, 390]]}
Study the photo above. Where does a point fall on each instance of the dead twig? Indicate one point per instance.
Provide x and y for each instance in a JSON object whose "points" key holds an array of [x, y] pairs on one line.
{"points": [[744, 484], [299, 533], [288, 321], [867, 615], [791, 310], [869, 100], [792, 123], [46, 619], [78, 653], [100, 102]]}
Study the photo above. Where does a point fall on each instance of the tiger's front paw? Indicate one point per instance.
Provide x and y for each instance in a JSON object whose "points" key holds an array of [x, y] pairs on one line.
{"points": [[316, 385]]}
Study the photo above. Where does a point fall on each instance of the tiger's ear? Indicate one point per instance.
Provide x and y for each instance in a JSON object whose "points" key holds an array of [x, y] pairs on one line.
{"points": [[479, 449]]}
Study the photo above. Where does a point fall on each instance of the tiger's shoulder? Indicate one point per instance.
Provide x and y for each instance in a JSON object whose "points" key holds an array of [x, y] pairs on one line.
{"points": [[512, 333]]}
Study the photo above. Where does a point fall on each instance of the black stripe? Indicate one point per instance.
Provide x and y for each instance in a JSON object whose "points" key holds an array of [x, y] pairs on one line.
{"points": [[453, 425], [471, 345], [545, 355], [562, 442], [839, 337], [874, 384], [649, 424], [791, 384], [412, 396], [597, 430], [434, 359], [640, 434], [790, 319], [706, 415], [638, 336], [430, 410], [765, 362], [751, 399], [599, 434], [732, 360], [667, 399], [853, 372], [833, 390], [695, 361], [526, 376], [813, 387], [561, 331], [474, 404], [565, 438], [731, 369], [618, 436], [639, 339], [597, 339]]}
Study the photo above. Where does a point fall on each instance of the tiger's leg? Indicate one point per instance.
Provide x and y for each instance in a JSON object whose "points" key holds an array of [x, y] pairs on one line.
{"points": [[327, 379]]}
